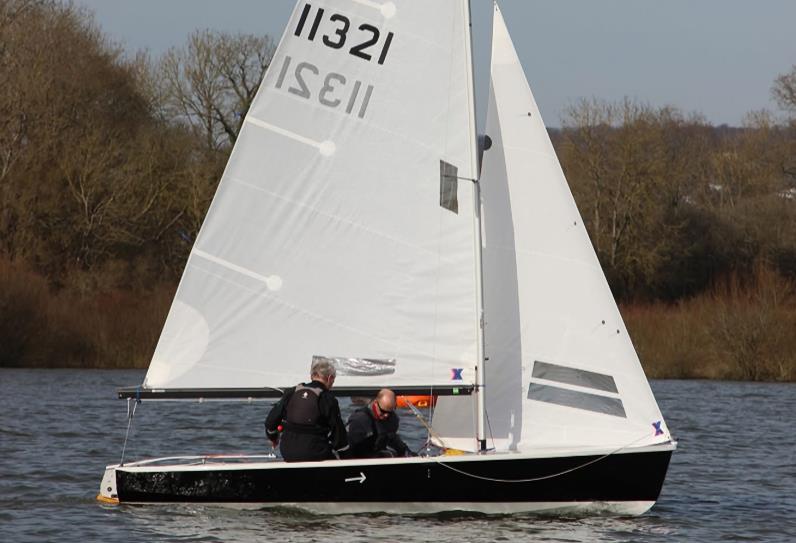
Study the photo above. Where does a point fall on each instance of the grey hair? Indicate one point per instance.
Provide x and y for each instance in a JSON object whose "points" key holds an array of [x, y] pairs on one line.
{"points": [[323, 367]]}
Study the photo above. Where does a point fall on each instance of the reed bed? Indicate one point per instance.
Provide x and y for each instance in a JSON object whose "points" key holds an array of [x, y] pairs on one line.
{"points": [[733, 331], [42, 326]]}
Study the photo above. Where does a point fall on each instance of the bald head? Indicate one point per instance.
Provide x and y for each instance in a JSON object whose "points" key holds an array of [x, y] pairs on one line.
{"points": [[386, 399]]}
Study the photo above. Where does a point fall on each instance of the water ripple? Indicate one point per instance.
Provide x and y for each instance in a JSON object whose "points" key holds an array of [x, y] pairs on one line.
{"points": [[730, 480]]}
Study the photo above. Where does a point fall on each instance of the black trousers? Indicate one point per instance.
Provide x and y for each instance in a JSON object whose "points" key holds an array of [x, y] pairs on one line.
{"points": [[296, 447]]}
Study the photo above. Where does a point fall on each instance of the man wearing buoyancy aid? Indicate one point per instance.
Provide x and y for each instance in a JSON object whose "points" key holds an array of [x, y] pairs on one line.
{"points": [[309, 416], [373, 429]]}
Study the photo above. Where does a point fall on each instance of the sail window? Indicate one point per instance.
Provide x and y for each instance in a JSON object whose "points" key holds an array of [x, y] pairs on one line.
{"points": [[578, 400], [572, 376], [359, 367], [448, 186]]}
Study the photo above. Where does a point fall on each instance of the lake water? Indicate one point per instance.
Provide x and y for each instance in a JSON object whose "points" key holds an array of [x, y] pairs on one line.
{"points": [[732, 479]]}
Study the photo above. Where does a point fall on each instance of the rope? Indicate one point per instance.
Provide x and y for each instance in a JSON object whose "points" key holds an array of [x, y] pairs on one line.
{"points": [[419, 415], [545, 477], [431, 407]]}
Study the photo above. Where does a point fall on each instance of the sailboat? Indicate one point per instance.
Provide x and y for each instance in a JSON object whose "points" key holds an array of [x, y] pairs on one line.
{"points": [[361, 219]]}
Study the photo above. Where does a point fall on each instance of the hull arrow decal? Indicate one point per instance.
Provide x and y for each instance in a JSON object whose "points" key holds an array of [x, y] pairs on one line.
{"points": [[361, 478]]}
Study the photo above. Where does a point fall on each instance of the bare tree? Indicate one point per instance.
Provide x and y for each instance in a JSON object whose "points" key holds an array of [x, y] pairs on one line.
{"points": [[88, 175], [784, 90], [636, 173], [19, 78], [616, 158], [211, 82], [747, 163]]}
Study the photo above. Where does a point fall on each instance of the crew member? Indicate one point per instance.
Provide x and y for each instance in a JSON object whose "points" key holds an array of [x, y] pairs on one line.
{"points": [[309, 417], [373, 429]]}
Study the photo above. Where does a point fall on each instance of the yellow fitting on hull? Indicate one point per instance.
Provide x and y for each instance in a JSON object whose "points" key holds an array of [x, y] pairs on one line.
{"points": [[107, 500]]}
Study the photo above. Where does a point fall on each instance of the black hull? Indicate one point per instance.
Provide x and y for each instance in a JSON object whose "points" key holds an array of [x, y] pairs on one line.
{"points": [[627, 477]]}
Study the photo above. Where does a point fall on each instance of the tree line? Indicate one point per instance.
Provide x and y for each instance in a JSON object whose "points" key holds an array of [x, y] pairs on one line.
{"points": [[108, 162], [673, 203], [695, 226]]}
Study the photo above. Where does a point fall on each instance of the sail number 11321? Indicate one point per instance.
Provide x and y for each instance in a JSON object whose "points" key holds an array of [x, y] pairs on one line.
{"points": [[332, 89], [365, 42]]}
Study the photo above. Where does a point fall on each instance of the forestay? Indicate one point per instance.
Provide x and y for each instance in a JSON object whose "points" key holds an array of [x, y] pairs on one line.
{"points": [[343, 224], [562, 372]]}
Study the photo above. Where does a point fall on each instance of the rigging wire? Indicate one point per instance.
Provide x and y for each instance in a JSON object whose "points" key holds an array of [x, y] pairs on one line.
{"points": [[544, 477], [130, 415]]}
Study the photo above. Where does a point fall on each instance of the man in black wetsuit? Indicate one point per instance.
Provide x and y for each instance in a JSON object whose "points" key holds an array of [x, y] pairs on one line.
{"points": [[373, 430], [312, 428]]}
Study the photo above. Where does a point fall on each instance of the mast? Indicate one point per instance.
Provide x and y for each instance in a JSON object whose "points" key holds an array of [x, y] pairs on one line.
{"points": [[479, 271]]}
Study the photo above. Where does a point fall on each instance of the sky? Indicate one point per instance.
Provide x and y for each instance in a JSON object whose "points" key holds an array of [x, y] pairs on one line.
{"points": [[714, 57]]}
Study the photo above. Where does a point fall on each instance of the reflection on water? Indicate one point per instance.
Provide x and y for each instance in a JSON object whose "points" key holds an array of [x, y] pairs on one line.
{"points": [[732, 477], [220, 524]]}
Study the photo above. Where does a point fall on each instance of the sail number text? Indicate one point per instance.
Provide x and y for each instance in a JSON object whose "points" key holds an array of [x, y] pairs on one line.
{"points": [[332, 90], [367, 37]]}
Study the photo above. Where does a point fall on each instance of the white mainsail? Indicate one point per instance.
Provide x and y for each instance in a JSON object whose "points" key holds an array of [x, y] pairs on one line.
{"points": [[343, 224], [562, 372]]}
